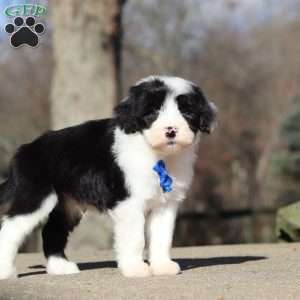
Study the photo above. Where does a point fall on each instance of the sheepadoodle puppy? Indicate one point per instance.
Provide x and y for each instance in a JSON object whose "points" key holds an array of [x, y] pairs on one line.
{"points": [[137, 166]]}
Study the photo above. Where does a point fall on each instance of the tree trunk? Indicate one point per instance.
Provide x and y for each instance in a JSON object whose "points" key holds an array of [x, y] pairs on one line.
{"points": [[86, 80], [86, 41]]}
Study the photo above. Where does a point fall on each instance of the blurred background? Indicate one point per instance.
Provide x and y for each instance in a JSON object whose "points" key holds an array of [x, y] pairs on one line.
{"points": [[243, 53]]}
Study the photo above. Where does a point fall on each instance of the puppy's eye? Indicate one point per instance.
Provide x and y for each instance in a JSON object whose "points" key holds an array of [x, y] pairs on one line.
{"points": [[190, 115]]}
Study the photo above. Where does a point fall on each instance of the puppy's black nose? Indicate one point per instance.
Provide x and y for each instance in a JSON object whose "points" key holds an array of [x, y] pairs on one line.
{"points": [[171, 132]]}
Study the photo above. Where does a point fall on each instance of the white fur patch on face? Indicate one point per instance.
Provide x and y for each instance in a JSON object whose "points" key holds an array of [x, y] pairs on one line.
{"points": [[176, 84], [13, 232], [60, 266], [169, 116]]}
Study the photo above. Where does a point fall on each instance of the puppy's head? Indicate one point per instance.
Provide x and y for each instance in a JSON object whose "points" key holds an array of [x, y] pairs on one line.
{"points": [[167, 111]]}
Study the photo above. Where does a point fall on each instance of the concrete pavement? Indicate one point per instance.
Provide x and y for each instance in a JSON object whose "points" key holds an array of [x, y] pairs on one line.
{"points": [[213, 272]]}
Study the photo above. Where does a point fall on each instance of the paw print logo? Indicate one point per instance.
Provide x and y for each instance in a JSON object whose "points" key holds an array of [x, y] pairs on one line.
{"points": [[24, 32]]}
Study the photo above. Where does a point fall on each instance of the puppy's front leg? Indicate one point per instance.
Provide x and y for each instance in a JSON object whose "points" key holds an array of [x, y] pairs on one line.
{"points": [[160, 231], [129, 221]]}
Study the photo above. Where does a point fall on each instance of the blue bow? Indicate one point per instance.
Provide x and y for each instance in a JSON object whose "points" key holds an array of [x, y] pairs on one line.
{"points": [[165, 180]]}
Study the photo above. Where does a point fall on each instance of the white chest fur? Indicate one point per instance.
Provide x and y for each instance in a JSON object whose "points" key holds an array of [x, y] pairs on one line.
{"points": [[137, 160]]}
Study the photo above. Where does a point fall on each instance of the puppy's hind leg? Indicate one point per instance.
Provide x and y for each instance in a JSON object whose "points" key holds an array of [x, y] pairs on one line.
{"points": [[15, 227], [61, 222]]}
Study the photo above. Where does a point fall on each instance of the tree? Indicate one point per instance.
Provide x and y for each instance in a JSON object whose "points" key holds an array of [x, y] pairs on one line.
{"points": [[87, 45], [86, 78]]}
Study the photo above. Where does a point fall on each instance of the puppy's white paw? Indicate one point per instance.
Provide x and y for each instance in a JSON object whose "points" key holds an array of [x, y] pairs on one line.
{"points": [[168, 267], [60, 266], [138, 269], [7, 271]]}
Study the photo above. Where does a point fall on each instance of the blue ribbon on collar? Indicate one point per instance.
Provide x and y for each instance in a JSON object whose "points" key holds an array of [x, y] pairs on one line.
{"points": [[165, 180]]}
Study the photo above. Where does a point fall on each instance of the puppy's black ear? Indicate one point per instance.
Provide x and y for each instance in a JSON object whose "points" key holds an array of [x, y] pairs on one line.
{"points": [[125, 116], [208, 118]]}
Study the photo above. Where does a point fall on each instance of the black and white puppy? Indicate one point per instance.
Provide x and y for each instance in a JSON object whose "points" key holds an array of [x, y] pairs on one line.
{"points": [[137, 166]]}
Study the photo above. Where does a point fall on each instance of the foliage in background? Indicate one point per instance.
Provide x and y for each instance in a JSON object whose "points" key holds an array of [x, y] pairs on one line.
{"points": [[287, 161]]}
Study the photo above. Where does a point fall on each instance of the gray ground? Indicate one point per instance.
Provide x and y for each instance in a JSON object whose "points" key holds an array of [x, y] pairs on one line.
{"points": [[218, 272]]}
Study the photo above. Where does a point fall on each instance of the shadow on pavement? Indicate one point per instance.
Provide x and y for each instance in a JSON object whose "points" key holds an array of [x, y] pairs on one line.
{"points": [[31, 274], [185, 263], [192, 263], [82, 266]]}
